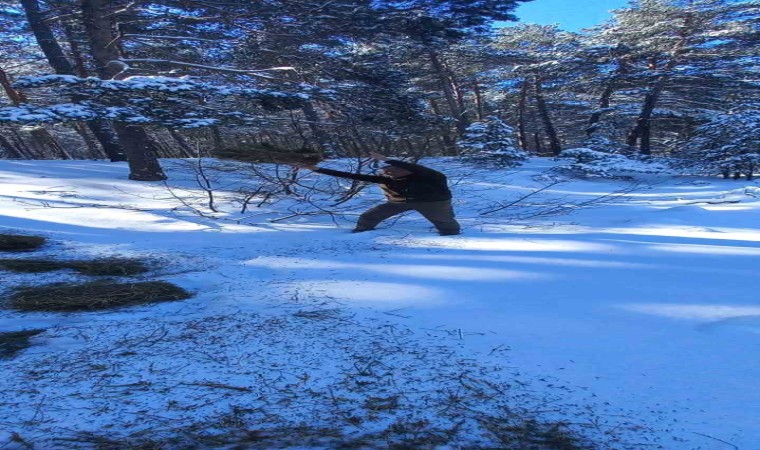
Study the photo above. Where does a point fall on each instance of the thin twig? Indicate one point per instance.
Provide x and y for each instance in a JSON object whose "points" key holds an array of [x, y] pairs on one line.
{"points": [[719, 440], [520, 199]]}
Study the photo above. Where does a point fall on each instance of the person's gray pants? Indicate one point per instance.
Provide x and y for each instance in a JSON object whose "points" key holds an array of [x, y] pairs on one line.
{"points": [[440, 213]]}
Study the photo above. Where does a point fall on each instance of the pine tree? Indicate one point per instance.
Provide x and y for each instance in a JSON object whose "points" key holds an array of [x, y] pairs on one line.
{"points": [[541, 64], [676, 61], [491, 140], [729, 144]]}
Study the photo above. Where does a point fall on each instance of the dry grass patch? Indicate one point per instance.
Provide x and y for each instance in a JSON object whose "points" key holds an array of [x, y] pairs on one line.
{"points": [[94, 296], [96, 267], [12, 342], [20, 243]]}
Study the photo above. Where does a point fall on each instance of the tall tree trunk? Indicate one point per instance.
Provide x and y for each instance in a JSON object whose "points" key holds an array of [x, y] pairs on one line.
{"points": [[478, 100], [604, 99], [15, 96], [140, 150], [76, 53], [185, 149], [141, 153], [321, 138], [11, 149], [105, 134], [537, 143], [364, 149], [21, 145], [604, 102], [61, 65], [45, 140], [543, 111], [522, 103], [449, 145], [102, 130], [642, 130], [216, 138], [449, 87], [46, 39], [92, 147]]}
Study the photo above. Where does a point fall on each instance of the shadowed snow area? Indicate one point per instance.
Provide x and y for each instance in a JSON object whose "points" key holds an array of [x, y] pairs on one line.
{"points": [[643, 304]]}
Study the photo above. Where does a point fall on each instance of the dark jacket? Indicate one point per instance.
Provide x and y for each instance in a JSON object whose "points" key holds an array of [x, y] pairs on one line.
{"points": [[423, 185]]}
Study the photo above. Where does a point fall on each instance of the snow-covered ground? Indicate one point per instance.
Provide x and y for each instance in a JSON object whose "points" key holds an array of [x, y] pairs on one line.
{"points": [[614, 303]]}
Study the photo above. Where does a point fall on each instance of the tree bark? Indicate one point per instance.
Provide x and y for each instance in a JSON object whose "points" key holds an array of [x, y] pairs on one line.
{"points": [[604, 99], [105, 134], [45, 140], [94, 151], [449, 87], [21, 145], [140, 150], [141, 153], [537, 142], [185, 149], [46, 39], [642, 130], [315, 125], [478, 100], [604, 102], [543, 110], [15, 96], [11, 149], [76, 53], [522, 137], [61, 65], [216, 137], [449, 145]]}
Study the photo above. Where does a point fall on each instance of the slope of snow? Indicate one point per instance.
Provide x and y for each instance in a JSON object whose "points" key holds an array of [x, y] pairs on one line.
{"points": [[635, 299]]}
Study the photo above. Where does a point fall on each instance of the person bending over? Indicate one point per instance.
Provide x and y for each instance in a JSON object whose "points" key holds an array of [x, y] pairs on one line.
{"points": [[407, 187]]}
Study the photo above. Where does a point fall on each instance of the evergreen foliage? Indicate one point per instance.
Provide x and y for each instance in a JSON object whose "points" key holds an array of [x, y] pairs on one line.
{"points": [[415, 78], [174, 102], [728, 144], [586, 162], [491, 140]]}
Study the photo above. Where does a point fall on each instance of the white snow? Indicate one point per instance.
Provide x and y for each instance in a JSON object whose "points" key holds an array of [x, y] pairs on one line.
{"points": [[643, 306]]}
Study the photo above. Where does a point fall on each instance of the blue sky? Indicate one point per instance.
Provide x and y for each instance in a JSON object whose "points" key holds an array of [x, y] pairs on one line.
{"points": [[571, 15]]}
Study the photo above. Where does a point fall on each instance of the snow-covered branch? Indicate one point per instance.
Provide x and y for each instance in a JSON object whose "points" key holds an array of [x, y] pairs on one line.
{"points": [[176, 38], [255, 73], [182, 102]]}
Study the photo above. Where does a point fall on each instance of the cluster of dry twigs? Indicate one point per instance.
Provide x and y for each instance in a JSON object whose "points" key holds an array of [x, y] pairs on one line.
{"points": [[94, 295], [19, 243]]}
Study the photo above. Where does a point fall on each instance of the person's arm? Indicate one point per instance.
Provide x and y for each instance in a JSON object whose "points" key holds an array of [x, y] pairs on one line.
{"points": [[352, 176], [414, 168]]}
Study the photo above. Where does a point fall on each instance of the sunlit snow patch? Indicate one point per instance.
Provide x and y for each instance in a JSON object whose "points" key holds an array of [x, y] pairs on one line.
{"points": [[707, 249], [508, 244], [692, 311], [425, 271]]}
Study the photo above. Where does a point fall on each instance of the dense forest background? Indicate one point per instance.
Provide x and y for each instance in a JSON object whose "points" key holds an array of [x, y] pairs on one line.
{"points": [[142, 80]]}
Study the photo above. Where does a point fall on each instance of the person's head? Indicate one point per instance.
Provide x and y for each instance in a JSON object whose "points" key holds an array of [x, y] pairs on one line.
{"points": [[393, 172]]}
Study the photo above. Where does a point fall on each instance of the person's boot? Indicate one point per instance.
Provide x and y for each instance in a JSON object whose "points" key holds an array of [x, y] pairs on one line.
{"points": [[357, 230], [449, 233]]}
